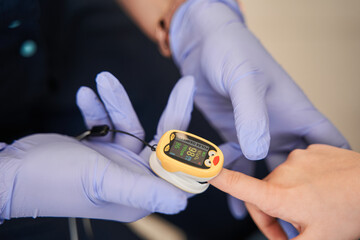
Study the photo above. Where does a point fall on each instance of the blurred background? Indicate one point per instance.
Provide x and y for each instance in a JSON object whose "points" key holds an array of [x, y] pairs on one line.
{"points": [[317, 43]]}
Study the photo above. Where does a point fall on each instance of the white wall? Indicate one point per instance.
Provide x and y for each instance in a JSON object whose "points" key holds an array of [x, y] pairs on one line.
{"points": [[318, 44]]}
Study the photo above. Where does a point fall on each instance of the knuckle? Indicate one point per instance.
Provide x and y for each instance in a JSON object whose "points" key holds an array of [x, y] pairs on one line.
{"points": [[314, 146], [232, 181], [297, 153], [273, 201], [282, 170]]}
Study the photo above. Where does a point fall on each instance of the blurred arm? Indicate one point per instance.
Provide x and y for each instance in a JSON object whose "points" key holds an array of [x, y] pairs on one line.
{"points": [[146, 13]]}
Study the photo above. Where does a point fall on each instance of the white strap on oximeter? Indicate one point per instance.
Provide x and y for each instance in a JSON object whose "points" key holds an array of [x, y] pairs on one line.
{"points": [[178, 179]]}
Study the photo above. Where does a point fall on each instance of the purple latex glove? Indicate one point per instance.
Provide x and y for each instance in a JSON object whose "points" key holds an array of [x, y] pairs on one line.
{"points": [[56, 175], [241, 89], [240, 86]]}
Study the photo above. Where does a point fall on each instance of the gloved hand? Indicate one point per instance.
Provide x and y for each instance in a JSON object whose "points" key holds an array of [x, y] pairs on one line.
{"points": [[240, 86], [56, 175]]}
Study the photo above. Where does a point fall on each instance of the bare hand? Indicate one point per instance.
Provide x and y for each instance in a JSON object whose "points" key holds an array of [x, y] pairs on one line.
{"points": [[317, 190]]}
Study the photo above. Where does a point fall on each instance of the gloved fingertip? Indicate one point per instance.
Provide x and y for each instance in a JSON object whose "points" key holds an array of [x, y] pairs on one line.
{"points": [[83, 95], [83, 91], [107, 80], [256, 156], [179, 204], [184, 89], [255, 148], [239, 213], [169, 199], [254, 139], [237, 208], [346, 145], [187, 82], [289, 229]]}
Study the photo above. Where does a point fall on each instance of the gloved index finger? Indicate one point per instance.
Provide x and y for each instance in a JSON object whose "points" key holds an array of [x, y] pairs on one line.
{"points": [[92, 110], [120, 110], [177, 114]]}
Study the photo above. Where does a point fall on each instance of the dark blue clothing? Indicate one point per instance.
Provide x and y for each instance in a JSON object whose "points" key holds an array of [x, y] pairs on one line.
{"points": [[22, 79]]}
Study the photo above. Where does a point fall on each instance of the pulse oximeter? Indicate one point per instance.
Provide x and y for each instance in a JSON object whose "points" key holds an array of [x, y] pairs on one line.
{"points": [[186, 160]]}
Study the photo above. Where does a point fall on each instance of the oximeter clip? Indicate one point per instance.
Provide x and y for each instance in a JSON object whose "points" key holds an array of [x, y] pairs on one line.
{"points": [[186, 160]]}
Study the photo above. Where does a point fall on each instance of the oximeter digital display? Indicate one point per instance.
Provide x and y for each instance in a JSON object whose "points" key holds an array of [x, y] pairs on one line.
{"points": [[186, 160], [190, 150]]}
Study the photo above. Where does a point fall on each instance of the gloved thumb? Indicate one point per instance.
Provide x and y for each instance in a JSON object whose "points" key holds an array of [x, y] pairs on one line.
{"points": [[177, 113], [247, 95]]}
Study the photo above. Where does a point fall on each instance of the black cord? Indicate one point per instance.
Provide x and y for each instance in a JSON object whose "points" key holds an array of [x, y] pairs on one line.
{"points": [[102, 130], [152, 147]]}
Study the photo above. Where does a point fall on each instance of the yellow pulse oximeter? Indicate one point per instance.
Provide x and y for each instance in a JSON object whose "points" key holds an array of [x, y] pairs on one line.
{"points": [[186, 160]]}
